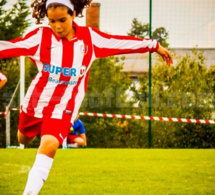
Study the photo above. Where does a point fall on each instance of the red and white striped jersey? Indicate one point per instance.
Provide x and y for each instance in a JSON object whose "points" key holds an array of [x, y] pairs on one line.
{"points": [[63, 66], [2, 76]]}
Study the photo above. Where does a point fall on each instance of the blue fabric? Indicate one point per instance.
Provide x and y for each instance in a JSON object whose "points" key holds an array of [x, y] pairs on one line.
{"points": [[78, 127]]}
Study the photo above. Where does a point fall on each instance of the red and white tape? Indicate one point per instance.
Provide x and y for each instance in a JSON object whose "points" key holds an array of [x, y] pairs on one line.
{"points": [[14, 109], [5, 113], [149, 118], [152, 118]]}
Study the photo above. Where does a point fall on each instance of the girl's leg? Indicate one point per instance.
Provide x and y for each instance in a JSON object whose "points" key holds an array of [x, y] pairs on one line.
{"points": [[42, 165], [22, 139], [48, 145]]}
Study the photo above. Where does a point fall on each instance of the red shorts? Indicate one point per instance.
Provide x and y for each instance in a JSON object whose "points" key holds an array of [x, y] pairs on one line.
{"points": [[71, 139], [31, 126]]}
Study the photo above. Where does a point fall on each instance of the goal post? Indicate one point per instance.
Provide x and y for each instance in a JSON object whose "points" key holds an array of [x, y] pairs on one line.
{"points": [[22, 79], [22, 85]]}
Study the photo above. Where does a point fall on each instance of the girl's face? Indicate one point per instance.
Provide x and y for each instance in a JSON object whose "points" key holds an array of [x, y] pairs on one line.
{"points": [[61, 22]]}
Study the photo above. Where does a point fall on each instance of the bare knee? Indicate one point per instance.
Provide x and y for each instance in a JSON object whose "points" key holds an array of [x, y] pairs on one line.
{"points": [[22, 139], [49, 145], [79, 141]]}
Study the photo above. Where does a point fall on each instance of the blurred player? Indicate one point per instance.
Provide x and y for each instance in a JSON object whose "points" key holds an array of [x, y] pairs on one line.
{"points": [[77, 136]]}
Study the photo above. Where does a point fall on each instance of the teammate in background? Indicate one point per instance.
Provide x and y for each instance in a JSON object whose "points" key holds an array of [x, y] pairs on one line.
{"points": [[3, 79], [63, 53], [77, 136]]}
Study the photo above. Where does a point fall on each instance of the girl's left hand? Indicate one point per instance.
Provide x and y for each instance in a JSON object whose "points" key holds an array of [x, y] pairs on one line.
{"points": [[165, 54]]}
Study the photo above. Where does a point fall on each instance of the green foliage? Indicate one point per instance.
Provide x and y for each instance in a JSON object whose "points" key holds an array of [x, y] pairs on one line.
{"points": [[138, 29], [141, 30], [13, 23], [211, 78], [181, 91], [161, 35]]}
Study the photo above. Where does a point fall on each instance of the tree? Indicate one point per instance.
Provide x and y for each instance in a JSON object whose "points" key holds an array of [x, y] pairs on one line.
{"points": [[138, 29], [181, 91], [211, 77], [141, 30], [13, 23]]}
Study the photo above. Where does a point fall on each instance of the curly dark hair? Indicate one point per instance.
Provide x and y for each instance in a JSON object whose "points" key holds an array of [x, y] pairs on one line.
{"points": [[39, 8]]}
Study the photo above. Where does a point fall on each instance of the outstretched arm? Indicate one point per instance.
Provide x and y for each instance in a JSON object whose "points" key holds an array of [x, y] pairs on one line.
{"points": [[25, 46], [165, 54], [107, 45]]}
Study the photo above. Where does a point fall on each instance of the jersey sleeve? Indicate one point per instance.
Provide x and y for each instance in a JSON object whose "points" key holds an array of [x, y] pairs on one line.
{"points": [[26, 46], [106, 45]]}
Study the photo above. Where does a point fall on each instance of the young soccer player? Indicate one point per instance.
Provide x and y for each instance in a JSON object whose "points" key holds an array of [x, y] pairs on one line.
{"points": [[63, 54], [3, 79]]}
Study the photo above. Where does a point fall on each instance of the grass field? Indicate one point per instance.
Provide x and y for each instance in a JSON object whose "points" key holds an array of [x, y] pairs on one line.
{"points": [[114, 171]]}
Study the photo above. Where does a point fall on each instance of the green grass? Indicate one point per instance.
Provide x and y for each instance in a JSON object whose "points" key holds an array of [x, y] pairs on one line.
{"points": [[114, 171]]}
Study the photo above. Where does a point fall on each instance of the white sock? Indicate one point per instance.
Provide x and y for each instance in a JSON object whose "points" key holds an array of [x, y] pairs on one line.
{"points": [[64, 144], [38, 174]]}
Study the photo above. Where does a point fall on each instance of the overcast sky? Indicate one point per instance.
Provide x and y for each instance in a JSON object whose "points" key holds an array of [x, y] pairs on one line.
{"points": [[190, 23]]}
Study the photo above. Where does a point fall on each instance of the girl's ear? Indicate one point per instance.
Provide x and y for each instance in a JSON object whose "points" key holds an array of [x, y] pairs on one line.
{"points": [[74, 14]]}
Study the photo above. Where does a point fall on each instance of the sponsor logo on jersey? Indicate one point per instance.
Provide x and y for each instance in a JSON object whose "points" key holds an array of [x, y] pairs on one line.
{"points": [[82, 71], [68, 72], [62, 82]]}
